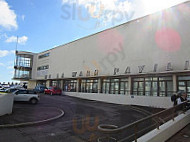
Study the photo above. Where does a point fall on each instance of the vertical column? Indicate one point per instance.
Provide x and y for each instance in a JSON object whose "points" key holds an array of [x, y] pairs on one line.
{"points": [[31, 84], [78, 85], [48, 83], [61, 84], [174, 83], [129, 86], [99, 85]]}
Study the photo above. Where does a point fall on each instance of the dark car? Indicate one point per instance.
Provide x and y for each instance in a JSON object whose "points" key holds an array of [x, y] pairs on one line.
{"points": [[2, 90], [40, 89]]}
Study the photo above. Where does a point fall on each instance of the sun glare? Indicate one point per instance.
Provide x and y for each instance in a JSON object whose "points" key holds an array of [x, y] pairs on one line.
{"points": [[151, 6]]}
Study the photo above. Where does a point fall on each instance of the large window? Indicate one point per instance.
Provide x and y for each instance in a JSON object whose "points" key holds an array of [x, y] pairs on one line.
{"points": [[89, 86], [43, 55], [23, 61], [138, 86], [152, 86], [165, 86], [106, 86], [115, 86], [22, 74], [124, 88], [70, 85], [184, 84], [43, 67], [56, 83], [23, 66]]}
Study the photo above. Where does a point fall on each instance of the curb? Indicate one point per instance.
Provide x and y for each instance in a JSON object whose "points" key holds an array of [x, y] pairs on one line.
{"points": [[35, 122]]}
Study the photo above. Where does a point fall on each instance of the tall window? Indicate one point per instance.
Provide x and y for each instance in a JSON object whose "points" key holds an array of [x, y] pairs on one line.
{"points": [[152, 86], [106, 86], [70, 85], [184, 84], [89, 85], [165, 86], [124, 89], [138, 86], [23, 66], [115, 86], [24, 61]]}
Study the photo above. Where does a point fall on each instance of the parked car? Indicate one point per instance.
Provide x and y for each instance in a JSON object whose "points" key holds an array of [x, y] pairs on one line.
{"points": [[53, 90], [40, 89], [26, 96], [2, 90], [14, 88], [11, 90]]}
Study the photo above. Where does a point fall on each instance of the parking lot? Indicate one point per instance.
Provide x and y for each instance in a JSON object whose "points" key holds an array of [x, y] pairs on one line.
{"points": [[78, 124]]}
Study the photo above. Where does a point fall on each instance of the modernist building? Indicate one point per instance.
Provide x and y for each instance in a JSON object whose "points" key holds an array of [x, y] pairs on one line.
{"points": [[143, 61]]}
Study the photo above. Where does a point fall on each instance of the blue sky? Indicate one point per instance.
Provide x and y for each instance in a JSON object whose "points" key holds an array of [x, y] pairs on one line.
{"points": [[44, 24]]}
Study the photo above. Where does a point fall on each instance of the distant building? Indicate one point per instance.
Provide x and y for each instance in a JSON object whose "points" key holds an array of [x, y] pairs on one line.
{"points": [[141, 62]]}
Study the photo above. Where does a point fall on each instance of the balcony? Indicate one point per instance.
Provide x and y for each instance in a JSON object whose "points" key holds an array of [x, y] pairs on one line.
{"points": [[23, 66], [22, 77]]}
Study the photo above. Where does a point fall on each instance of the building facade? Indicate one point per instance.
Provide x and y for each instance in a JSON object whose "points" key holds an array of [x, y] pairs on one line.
{"points": [[141, 62]]}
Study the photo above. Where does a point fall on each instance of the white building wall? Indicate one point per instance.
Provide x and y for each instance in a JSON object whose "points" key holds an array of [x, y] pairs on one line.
{"points": [[132, 44], [6, 104], [42, 62], [150, 101]]}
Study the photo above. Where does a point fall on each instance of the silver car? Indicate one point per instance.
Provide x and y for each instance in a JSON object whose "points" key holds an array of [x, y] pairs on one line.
{"points": [[26, 95]]}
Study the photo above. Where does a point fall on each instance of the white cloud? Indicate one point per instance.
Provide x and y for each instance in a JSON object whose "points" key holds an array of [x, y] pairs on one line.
{"points": [[23, 17], [3, 35], [4, 53], [11, 73], [145, 7], [1, 64], [7, 16], [10, 67], [21, 40], [115, 11], [105, 10]]}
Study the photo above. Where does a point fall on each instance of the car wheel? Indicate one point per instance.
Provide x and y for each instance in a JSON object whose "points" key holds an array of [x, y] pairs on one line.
{"points": [[51, 93], [33, 101]]}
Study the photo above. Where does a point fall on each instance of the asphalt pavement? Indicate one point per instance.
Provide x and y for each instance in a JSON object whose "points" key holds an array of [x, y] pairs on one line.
{"points": [[79, 123]]}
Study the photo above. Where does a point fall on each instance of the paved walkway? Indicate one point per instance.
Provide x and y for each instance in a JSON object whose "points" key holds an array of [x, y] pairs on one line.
{"points": [[31, 114], [79, 124], [182, 136], [75, 109]]}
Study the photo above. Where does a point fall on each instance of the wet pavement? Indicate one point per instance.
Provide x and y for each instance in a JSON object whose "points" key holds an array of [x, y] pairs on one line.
{"points": [[79, 124]]}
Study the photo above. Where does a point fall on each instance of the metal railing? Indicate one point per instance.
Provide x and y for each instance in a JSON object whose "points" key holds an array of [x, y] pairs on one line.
{"points": [[112, 133]]}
